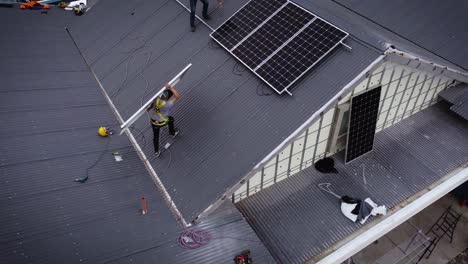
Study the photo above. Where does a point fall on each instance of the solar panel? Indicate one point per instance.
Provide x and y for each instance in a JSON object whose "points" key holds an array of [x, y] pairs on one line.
{"points": [[300, 54], [362, 123], [282, 47], [244, 21], [270, 36]]}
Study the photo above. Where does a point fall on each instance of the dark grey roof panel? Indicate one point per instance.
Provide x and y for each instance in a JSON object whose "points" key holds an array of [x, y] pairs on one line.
{"points": [[50, 98], [41, 63], [222, 115], [229, 233], [455, 95], [52, 119], [36, 81], [406, 159], [374, 34], [458, 97], [461, 110], [425, 23], [49, 138]]}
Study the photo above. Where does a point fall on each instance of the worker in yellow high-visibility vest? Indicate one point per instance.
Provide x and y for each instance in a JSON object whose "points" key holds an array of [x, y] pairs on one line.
{"points": [[160, 111]]}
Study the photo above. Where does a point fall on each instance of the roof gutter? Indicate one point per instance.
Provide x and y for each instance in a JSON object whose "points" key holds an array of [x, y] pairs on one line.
{"points": [[402, 215], [333, 101], [404, 58]]}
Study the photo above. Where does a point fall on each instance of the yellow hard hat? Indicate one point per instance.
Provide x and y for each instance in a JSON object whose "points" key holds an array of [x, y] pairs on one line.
{"points": [[102, 131]]}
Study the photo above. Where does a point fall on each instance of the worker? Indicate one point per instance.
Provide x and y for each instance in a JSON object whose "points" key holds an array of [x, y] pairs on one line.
{"points": [[193, 8], [160, 114]]}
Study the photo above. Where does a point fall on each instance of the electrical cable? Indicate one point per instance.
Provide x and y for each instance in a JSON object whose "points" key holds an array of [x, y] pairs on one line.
{"points": [[237, 69], [101, 155], [261, 90], [134, 52], [326, 188], [214, 45], [193, 239], [141, 132]]}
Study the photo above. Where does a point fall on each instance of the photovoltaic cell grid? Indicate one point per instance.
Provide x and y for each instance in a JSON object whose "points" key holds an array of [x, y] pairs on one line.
{"points": [[362, 123], [245, 21], [274, 33], [301, 54], [281, 46]]}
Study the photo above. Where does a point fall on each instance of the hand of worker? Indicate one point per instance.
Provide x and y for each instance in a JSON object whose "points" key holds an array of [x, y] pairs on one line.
{"points": [[168, 86]]}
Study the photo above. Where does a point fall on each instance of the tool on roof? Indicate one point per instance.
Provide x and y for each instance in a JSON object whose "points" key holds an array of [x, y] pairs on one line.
{"points": [[243, 258], [105, 131], [34, 5], [144, 209], [80, 9], [117, 156], [355, 209]]}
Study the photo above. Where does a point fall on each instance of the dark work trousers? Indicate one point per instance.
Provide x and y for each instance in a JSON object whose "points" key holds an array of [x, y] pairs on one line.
{"points": [[156, 129], [193, 8]]}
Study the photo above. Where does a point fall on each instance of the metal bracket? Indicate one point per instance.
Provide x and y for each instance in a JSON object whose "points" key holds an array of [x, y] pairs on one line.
{"points": [[346, 46]]}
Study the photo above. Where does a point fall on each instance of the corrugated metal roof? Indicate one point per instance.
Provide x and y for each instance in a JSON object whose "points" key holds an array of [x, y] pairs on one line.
{"points": [[49, 137], [223, 114], [379, 36], [438, 27], [461, 109], [298, 221], [458, 97], [456, 94]]}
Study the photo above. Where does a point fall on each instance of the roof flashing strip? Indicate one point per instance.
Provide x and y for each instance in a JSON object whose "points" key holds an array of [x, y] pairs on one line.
{"points": [[405, 58], [441, 188]]}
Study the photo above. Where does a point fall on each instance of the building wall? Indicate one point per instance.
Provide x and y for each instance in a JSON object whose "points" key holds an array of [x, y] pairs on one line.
{"points": [[405, 91]]}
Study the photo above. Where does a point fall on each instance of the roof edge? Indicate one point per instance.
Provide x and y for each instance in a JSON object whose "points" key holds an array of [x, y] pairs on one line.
{"points": [[157, 181], [361, 76], [413, 61], [438, 190]]}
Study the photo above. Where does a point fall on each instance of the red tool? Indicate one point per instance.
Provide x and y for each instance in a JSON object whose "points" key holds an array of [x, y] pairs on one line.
{"points": [[34, 5], [243, 258], [144, 209]]}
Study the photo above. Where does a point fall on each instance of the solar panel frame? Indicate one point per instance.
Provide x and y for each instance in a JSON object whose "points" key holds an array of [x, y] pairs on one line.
{"points": [[212, 34], [372, 97], [265, 41], [303, 73]]}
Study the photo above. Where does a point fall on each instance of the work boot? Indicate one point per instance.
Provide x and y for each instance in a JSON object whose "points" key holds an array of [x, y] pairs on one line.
{"points": [[207, 17], [193, 28]]}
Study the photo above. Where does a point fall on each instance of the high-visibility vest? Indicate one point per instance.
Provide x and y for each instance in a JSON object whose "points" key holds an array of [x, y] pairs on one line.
{"points": [[156, 109]]}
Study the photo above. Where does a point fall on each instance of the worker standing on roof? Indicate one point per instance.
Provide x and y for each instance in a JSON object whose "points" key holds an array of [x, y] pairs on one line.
{"points": [[193, 8], [160, 114]]}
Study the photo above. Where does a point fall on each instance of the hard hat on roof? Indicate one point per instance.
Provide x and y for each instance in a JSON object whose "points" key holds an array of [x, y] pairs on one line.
{"points": [[102, 131]]}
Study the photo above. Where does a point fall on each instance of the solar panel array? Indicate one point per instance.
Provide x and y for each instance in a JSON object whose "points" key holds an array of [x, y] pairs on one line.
{"points": [[245, 21], [278, 40], [362, 123]]}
